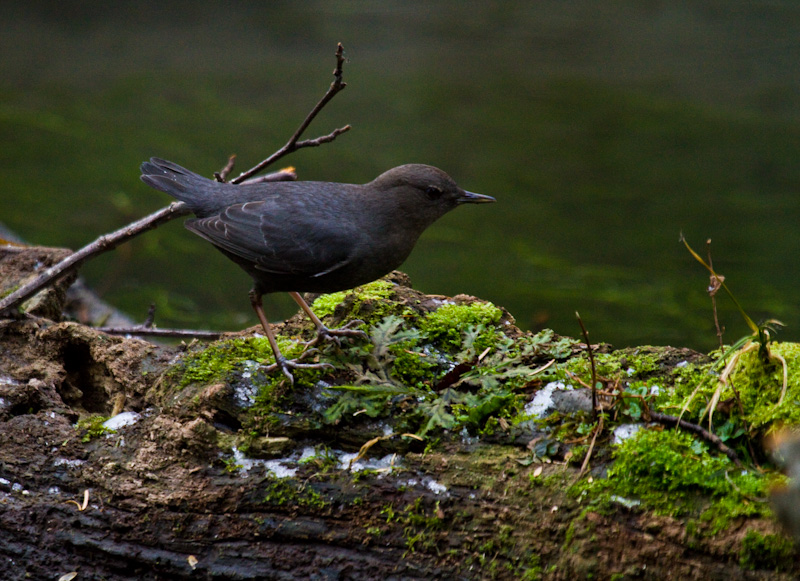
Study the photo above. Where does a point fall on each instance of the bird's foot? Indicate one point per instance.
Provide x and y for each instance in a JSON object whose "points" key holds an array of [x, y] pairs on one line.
{"points": [[286, 365], [336, 335]]}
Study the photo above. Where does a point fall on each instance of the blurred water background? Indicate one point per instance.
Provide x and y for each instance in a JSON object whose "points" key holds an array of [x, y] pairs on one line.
{"points": [[603, 129]]}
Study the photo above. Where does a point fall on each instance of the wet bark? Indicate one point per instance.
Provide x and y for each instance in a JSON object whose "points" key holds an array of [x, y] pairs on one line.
{"points": [[161, 498]]}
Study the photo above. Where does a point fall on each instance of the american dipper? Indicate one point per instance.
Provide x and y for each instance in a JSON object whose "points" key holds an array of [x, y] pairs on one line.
{"points": [[316, 237]]}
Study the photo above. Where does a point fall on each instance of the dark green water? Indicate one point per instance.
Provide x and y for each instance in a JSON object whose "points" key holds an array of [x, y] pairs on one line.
{"points": [[603, 131]]}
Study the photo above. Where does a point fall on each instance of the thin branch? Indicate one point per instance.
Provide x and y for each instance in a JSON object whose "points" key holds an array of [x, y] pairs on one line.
{"points": [[147, 329], [594, 368], [102, 244], [293, 144], [697, 430], [177, 209], [597, 430], [714, 285], [719, 279], [143, 331], [151, 317], [222, 176], [287, 174]]}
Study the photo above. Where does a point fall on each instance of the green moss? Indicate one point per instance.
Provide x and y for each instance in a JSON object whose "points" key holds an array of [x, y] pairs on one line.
{"points": [[373, 531], [374, 294], [766, 552], [481, 412], [760, 383], [286, 492], [756, 383], [447, 324], [220, 359], [413, 367], [94, 427], [544, 344], [672, 473], [569, 536], [533, 573], [448, 341], [433, 365], [606, 366], [641, 362], [8, 291], [231, 466], [505, 555], [685, 379], [578, 453], [635, 363], [323, 459], [663, 468], [418, 525]]}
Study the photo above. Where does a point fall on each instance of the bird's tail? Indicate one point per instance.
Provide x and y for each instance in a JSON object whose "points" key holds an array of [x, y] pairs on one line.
{"points": [[179, 183]]}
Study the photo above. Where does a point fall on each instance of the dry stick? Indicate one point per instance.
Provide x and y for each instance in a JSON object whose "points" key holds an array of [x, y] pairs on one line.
{"points": [[292, 145], [222, 176], [151, 317], [695, 429], [147, 329], [176, 209], [141, 331], [594, 369], [103, 244], [599, 426], [597, 430], [713, 287]]}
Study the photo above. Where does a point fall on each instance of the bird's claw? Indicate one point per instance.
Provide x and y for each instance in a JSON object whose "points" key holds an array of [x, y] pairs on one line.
{"points": [[336, 335], [307, 353], [286, 365]]}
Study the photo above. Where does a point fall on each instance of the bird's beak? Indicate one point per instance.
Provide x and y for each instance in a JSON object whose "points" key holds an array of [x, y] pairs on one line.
{"points": [[473, 198]]}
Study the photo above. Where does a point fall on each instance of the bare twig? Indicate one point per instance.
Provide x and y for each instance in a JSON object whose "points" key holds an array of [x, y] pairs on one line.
{"points": [[714, 285], [697, 430], [293, 144], [286, 174], [151, 317], [594, 369], [597, 430], [718, 279], [176, 209], [142, 331], [148, 329], [222, 176], [103, 244]]}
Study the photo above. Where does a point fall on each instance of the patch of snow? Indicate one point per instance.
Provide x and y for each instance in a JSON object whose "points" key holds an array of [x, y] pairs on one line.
{"points": [[66, 462], [278, 469], [625, 431], [626, 502], [543, 400], [436, 487], [121, 420]]}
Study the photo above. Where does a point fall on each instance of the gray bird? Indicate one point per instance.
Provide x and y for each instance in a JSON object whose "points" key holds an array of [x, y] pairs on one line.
{"points": [[316, 237]]}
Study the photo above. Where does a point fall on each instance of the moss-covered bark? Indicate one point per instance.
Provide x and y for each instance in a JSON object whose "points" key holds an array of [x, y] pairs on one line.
{"points": [[428, 451]]}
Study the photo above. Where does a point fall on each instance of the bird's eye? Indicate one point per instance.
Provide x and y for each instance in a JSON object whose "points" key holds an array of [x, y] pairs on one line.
{"points": [[433, 192]]}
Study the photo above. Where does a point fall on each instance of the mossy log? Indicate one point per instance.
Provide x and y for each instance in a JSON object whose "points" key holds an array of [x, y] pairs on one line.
{"points": [[227, 472]]}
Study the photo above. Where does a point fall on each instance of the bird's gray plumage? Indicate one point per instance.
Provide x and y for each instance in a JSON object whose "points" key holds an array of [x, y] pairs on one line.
{"points": [[313, 236]]}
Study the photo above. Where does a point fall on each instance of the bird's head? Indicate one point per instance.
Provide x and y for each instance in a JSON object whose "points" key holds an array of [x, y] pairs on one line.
{"points": [[424, 190]]}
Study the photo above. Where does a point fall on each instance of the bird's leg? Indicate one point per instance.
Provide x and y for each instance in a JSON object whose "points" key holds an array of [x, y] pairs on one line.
{"points": [[280, 361], [323, 332]]}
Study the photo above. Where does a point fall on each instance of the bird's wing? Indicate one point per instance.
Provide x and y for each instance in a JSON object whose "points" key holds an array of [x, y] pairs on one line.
{"points": [[284, 245]]}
